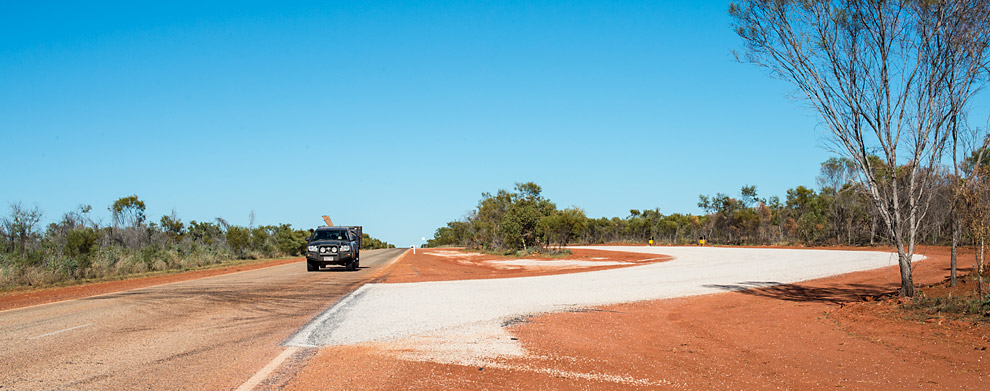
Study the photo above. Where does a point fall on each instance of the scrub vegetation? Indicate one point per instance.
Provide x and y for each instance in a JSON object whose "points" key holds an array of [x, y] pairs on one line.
{"points": [[77, 247], [838, 212]]}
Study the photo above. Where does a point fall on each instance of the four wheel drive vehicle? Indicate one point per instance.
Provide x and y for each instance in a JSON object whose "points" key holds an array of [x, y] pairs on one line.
{"points": [[334, 246]]}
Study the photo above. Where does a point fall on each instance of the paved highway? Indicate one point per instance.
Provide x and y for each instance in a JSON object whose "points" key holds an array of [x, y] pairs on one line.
{"points": [[207, 334]]}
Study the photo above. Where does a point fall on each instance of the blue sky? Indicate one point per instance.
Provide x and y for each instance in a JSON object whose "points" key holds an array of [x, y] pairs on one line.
{"points": [[391, 115]]}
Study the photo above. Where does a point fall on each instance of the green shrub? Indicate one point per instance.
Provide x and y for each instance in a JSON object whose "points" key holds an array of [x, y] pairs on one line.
{"points": [[238, 238], [81, 241]]}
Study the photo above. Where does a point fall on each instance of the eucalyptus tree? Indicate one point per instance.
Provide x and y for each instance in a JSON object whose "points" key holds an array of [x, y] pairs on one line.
{"points": [[128, 211], [21, 226], [887, 78]]}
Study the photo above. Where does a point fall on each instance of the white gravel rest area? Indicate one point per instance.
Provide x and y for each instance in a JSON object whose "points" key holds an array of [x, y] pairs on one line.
{"points": [[391, 312]]}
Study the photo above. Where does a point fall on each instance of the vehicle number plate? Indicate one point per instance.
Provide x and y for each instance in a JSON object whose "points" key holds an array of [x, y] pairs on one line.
{"points": [[328, 258]]}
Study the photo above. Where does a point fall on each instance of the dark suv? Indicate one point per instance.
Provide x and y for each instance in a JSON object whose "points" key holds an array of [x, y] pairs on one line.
{"points": [[334, 246]]}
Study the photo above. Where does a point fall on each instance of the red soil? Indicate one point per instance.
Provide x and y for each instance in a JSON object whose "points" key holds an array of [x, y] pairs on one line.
{"points": [[821, 334], [443, 265]]}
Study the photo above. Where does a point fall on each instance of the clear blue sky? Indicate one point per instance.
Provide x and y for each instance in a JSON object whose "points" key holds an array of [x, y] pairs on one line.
{"points": [[391, 115]]}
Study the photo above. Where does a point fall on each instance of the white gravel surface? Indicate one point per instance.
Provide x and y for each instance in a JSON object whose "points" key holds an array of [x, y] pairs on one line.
{"points": [[409, 312]]}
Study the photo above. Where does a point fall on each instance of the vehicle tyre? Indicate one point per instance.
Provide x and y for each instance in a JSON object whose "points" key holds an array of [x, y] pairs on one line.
{"points": [[310, 267], [357, 264], [352, 265]]}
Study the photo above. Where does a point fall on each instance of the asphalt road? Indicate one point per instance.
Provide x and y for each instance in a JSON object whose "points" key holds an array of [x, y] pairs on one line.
{"points": [[207, 334]]}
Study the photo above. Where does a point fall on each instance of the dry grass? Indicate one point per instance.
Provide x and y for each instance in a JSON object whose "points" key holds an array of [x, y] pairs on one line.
{"points": [[111, 265], [941, 300]]}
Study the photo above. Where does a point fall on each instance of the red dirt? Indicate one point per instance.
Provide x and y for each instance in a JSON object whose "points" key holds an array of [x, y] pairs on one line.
{"points": [[821, 334], [426, 265], [19, 299]]}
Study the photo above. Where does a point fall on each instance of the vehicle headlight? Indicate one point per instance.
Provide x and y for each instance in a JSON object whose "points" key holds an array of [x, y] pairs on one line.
{"points": [[345, 248], [311, 248]]}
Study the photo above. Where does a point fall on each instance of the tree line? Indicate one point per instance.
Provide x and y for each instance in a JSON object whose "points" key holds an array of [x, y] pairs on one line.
{"points": [[838, 212], [79, 247]]}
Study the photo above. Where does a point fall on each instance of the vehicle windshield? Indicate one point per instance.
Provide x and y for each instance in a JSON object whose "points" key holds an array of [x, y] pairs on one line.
{"points": [[331, 235]]}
